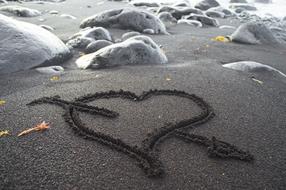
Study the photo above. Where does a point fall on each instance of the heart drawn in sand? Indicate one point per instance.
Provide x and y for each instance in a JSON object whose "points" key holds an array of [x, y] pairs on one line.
{"points": [[147, 154]]}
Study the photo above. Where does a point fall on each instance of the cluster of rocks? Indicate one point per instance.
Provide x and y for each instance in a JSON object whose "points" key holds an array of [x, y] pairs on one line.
{"points": [[88, 36], [136, 50], [137, 20], [203, 13], [102, 50]]}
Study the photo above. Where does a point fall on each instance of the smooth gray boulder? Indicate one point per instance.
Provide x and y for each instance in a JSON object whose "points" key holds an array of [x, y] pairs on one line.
{"points": [[132, 19], [206, 4], [97, 45], [167, 19], [87, 36], [205, 20], [253, 67], [253, 33], [128, 35], [179, 12], [24, 46], [20, 11], [137, 50]]}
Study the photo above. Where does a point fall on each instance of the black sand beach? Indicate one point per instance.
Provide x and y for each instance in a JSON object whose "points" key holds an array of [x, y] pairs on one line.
{"points": [[248, 114]]}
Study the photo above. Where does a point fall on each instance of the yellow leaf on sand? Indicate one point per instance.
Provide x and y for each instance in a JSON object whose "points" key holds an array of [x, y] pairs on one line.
{"points": [[220, 39], [2, 102], [55, 78], [4, 133], [40, 127]]}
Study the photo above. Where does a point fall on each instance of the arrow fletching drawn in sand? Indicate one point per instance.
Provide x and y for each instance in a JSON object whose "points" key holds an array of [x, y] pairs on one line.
{"points": [[40, 127]]}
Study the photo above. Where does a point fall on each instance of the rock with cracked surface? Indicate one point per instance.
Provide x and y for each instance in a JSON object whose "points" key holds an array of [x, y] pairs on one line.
{"points": [[133, 19], [25, 46], [138, 50]]}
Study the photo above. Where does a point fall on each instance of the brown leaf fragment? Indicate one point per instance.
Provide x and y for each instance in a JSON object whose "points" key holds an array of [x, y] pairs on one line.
{"points": [[40, 127]]}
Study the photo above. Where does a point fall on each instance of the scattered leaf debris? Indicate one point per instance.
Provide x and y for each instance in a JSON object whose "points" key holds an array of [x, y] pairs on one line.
{"points": [[4, 133], [55, 78]]}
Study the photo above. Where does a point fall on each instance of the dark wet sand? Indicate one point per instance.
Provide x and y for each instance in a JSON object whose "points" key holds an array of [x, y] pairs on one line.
{"points": [[248, 114]]}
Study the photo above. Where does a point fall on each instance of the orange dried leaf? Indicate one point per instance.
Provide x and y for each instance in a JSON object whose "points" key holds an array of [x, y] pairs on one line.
{"points": [[41, 127]]}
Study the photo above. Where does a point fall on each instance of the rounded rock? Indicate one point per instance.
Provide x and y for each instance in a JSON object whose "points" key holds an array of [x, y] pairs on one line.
{"points": [[137, 20], [138, 50], [97, 45], [25, 46]]}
